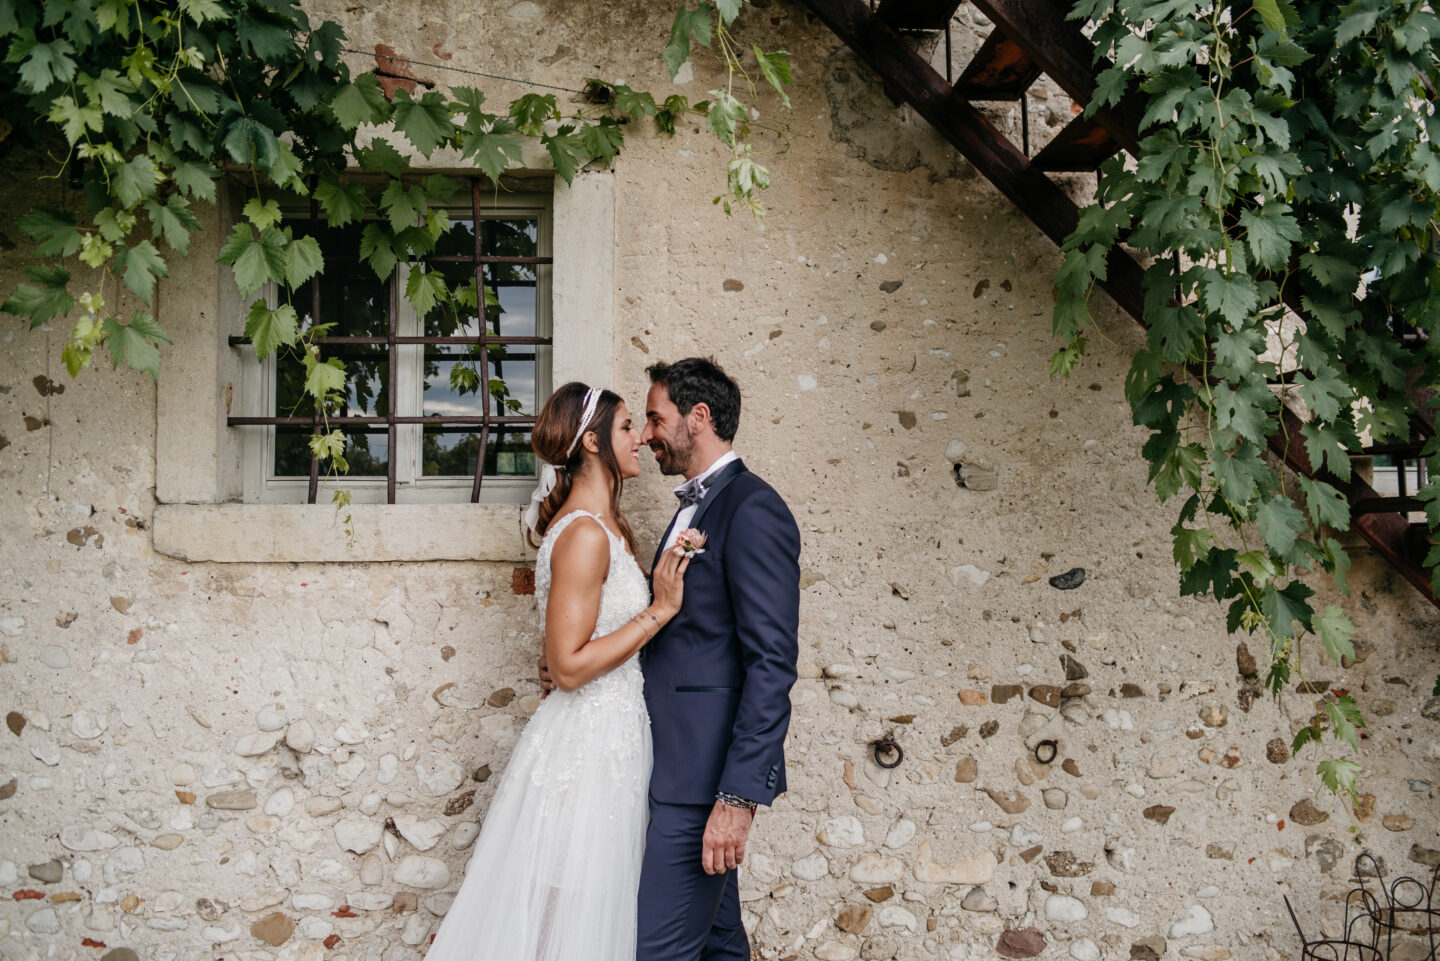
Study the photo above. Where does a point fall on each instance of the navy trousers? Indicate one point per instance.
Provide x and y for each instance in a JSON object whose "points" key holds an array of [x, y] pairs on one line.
{"points": [[686, 914]]}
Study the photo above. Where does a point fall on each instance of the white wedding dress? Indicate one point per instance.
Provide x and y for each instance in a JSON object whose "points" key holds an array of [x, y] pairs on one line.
{"points": [[556, 868]]}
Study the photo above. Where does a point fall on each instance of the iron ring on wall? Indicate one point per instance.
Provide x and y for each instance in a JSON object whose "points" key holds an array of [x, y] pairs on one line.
{"points": [[884, 746], [1050, 748]]}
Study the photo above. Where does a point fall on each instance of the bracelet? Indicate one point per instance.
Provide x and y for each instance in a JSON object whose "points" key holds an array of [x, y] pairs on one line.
{"points": [[648, 635], [735, 801]]}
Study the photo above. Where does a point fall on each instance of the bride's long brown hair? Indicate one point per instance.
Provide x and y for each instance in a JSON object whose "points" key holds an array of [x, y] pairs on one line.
{"points": [[555, 430]]}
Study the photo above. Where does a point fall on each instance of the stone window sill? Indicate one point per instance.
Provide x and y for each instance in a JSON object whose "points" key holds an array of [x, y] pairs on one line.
{"points": [[279, 533]]}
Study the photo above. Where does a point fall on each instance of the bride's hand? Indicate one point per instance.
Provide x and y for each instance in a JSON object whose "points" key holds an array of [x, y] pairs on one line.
{"points": [[668, 581]]}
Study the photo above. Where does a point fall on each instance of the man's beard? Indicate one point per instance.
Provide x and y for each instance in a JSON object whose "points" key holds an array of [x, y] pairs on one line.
{"points": [[674, 456]]}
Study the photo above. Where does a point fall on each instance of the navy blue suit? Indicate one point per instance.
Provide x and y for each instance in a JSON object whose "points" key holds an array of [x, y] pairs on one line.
{"points": [[717, 685]]}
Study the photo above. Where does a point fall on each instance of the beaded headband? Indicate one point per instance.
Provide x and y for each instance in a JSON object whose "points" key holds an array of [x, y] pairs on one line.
{"points": [[592, 399]]}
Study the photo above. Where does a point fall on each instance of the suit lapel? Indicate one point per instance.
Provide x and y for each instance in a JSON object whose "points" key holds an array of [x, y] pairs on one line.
{"points": [[664, 539], [712, 491], [721, 480]]}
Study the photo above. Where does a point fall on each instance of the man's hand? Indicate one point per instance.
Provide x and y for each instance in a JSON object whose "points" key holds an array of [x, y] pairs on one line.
{"points": [[547, 684], [725, 835]]}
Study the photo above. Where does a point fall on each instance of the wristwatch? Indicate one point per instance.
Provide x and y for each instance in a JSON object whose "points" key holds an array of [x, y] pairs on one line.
{"points": [[735, 801]]}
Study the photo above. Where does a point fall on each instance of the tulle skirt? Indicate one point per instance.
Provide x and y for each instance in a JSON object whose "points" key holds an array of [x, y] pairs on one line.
{"points": [[556, 867]]}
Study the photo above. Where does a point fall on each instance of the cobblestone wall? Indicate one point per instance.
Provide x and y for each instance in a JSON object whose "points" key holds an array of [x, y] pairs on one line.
{"points": [[282, 762]]}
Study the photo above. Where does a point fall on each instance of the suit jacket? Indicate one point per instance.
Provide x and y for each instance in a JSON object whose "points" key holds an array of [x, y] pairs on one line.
{"points": [[718, 675]]}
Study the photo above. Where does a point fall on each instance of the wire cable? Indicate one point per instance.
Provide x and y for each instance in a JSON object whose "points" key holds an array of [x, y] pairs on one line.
{"points": [[475, 73]]}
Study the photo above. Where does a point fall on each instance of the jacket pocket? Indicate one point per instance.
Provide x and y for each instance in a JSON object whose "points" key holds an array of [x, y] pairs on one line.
{"points": [[704, 689]]}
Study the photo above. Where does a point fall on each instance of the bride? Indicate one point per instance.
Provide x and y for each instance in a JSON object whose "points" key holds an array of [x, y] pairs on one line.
{"points": [[555, 870]]}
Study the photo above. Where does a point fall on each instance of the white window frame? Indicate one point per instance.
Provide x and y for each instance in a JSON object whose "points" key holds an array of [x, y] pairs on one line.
{"points": [[261, 486], [201, 514]]}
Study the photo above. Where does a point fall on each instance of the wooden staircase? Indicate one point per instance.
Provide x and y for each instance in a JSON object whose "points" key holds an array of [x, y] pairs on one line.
{"points": [[1031, 38]]}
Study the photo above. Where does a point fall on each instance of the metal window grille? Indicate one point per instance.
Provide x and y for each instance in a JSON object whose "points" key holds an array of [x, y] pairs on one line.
{"points": [[483, 341]]}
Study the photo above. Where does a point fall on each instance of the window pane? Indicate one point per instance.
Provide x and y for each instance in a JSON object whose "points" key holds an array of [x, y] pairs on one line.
{"points": [[458, 317], [357, 304], [368, 452], [450, 452]]}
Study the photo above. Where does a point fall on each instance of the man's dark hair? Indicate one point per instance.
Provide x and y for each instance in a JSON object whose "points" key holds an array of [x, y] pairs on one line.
{"points": [[699, 380]]}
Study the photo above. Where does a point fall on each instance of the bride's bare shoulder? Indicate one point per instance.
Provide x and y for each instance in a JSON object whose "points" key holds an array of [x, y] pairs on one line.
{"points": [[584, 544]]}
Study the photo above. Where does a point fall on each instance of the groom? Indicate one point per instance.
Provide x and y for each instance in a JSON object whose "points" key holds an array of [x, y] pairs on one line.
{"points": [[718, 675]]}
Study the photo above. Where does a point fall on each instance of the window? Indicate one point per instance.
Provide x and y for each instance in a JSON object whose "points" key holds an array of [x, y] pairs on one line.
{"points": [[424, 396], [204, 511]]}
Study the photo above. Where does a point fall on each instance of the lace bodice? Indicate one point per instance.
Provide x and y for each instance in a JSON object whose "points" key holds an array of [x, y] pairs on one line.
{"points": [[624, 594]]}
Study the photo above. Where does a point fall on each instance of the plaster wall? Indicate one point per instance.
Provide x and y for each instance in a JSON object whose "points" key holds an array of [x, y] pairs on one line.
{"points": [[201, 759]]}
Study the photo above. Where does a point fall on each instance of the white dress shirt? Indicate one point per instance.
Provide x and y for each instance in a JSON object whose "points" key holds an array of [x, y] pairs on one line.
{"points": [[682, 519]]}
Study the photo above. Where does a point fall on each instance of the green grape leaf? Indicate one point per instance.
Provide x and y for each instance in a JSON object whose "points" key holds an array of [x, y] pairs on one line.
{"points": [[174, 221], [425, 122], [247, 141], [1286, 607], [1234, 297], [1271, 234], [1325, 504], [402, 205], [360, 101], [40, 304], [1281, 522], [1306, 735], [381, 157], [270, 329], [256, 260], [493, 152], [775, 68], [424, 289], [725, 116], [603, 140], [1322, 444], [324, 379], [532, 110], [1244, 411], [1339, 774], [303, 260], [1239, 472], [1213, 571], [53, 229], [201, 11], [110, 92], [729, 10], [133, 344], [1345, 720], [377, 249], [141, 264], [330, 446], [1191, 543], [74, 120], [689, 25], [135, 180], [42, 64], [635, 104], [262, 213], [342, 201], [567, 152], [196, 179], [1336, 633]]}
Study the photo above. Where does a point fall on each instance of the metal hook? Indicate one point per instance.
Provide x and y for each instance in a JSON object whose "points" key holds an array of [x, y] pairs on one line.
{"points": [[885, 744]]}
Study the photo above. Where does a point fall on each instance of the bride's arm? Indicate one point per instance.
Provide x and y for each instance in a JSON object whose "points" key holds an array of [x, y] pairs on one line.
{"points": [[579, 564]]}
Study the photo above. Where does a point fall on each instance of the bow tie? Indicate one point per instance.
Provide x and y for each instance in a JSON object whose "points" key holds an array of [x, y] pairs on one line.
{"points": [[690, 493]]}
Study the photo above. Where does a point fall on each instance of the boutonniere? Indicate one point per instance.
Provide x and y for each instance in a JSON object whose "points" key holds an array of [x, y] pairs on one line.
{"points": [[690, 542]]}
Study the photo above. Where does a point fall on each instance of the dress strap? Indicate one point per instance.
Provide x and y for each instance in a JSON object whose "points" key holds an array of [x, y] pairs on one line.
{"points": [[560, 523]]}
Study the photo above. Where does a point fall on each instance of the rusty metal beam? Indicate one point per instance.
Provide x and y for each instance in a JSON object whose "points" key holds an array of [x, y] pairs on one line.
{"points": [[883, 50], [1000, 70], [918, 14], [1063, 53], [1083, 144]]}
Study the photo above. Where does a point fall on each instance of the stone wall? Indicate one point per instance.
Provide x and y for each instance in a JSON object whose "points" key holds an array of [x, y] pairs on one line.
{"points": [[286, 761]]}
